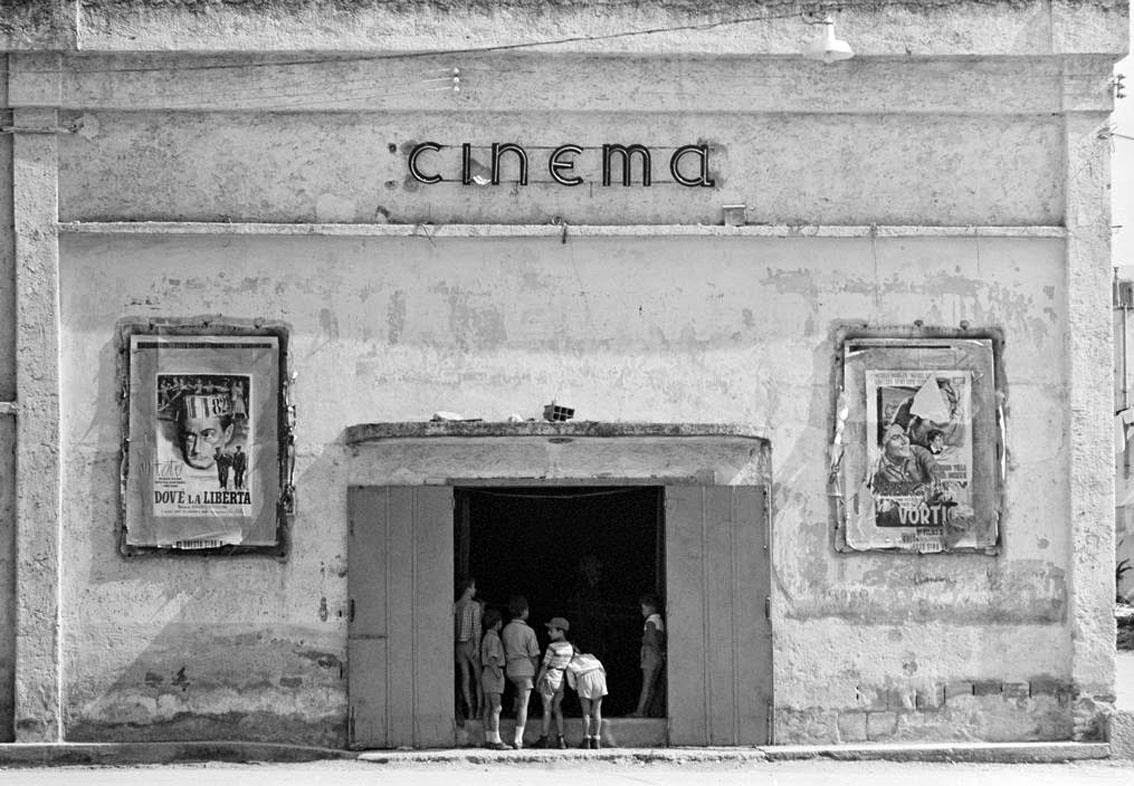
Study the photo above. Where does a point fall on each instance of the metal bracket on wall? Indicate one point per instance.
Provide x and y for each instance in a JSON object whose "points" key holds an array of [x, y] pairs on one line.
{"points": [[9, 408]]}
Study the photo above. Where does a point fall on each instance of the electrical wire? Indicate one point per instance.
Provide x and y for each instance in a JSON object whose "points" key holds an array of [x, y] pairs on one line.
{"points": [[798, 10]]}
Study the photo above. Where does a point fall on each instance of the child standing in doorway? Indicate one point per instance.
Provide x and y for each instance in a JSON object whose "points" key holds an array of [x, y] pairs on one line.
{"points": [[652, 658], [492, 678], [521, 655], [587, 677], [466, 648], [550, 680]]}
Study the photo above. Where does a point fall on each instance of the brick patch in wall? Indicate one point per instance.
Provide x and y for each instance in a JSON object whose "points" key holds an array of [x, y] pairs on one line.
{"points": [[1017, 690], [909, 713], [987, 687], [956, 689], [852, 726], [881, 725], [932, 698]]}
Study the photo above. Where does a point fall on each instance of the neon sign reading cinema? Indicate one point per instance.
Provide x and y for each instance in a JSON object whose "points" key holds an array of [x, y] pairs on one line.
{"points": [[688, 165]]}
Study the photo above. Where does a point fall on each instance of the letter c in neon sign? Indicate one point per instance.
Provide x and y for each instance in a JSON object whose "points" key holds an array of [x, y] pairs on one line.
{"points": [[413, 156]]}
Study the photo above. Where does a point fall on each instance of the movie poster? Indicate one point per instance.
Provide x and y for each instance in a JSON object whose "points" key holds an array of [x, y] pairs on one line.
{"points": [[917, 454], [920, 456], [203, 457]]}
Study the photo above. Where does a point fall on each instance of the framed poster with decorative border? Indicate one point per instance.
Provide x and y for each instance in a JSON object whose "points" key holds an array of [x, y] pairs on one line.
{"points": [[918, 450], [206, 444]]}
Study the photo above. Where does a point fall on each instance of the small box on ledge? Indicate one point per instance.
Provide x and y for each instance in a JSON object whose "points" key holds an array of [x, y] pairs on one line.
{"points": [[555, 413]]}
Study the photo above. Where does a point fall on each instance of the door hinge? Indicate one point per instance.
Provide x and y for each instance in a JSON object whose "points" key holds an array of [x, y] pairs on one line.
{"points": [[767, 517], [350, 610], [767, 607]]}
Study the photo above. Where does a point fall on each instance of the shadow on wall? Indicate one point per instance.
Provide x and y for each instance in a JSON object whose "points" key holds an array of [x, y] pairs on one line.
{"points": [[187, 647], [219, 682]]}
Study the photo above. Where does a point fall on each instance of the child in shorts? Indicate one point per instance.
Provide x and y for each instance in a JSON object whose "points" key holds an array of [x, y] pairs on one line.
{"points": [[521, 655], [549, 683], [492, 678], [652, 658], [587, 677]]}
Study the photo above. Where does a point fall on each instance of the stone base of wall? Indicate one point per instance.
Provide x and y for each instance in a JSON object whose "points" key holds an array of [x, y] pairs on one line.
{"points": [[231, 726], [1120, 734], [989, 711], [217, 682]]}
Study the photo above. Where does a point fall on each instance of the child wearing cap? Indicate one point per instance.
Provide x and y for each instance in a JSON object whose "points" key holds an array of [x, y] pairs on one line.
{"points": [[549, 682]]}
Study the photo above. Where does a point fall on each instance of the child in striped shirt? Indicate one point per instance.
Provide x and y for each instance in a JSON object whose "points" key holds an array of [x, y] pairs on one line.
{"points": [[549, 682]]}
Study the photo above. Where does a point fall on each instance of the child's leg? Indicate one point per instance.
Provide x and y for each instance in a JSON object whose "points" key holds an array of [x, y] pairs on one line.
{"points": [[649, 675], [465, 666], [492, 718], [596, 724], [586, 705], [545, 726], [557, 708], [522, 695], [479, 689]]}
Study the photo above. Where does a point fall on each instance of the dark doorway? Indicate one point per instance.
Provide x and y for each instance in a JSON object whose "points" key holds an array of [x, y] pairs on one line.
{"points": [[585, 553]]}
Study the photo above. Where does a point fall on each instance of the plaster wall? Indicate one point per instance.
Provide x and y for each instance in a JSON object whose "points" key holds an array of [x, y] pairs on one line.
{"points": [[728, 330], [987, 114], [7, 427]]}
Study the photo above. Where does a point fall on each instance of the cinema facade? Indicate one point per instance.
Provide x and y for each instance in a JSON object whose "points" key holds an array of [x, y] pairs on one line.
{"points": [[837, 339]]}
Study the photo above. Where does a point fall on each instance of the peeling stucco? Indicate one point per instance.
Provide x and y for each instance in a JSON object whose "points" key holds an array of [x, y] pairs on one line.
{"points": [[977, 114]]}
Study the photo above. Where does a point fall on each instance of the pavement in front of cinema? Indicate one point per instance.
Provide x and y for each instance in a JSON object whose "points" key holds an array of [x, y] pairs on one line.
{"points": [[576, 773]]}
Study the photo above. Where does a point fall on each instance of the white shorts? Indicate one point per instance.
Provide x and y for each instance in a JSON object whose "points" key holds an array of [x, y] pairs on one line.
{"points": [[591, 685]]}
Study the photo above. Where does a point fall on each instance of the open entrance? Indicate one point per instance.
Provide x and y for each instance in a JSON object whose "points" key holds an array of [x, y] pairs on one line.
{"points": [[587, 553]]}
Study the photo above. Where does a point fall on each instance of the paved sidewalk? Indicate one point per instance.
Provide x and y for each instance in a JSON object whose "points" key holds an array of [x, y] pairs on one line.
{"points": [[1003, 753], [111, 754], [811, 772]]}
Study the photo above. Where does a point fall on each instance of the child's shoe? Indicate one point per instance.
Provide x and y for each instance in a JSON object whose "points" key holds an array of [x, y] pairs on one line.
{"points": [[541, 742], [561, 743], [595, 743], [586, 743]]}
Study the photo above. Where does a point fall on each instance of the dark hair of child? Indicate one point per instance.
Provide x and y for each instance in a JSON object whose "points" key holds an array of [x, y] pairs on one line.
{"points": [[491, 617], [464, 584], [517, 605], [651, 600]]}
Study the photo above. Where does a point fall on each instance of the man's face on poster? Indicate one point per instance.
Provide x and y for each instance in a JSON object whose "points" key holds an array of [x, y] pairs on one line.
{"points": [[201, 431], [898, 447]]}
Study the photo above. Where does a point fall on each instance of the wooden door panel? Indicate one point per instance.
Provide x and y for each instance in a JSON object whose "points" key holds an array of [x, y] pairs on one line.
{"points": [[400, 580], [720, 666], [686, 664]]}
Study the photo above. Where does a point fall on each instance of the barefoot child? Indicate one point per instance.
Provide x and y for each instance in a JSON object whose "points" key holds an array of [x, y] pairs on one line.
{"points": [[492, 678], [652, 655], [587, 677], [550, 680], [521, 655]]}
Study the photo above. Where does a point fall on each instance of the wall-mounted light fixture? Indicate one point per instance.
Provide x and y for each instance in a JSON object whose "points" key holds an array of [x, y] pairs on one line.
{"points": [[828, 48]]}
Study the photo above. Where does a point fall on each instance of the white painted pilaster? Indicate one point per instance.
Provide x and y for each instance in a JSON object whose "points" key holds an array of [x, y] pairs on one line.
{"points": [[1090, 343], [34, 79]]}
